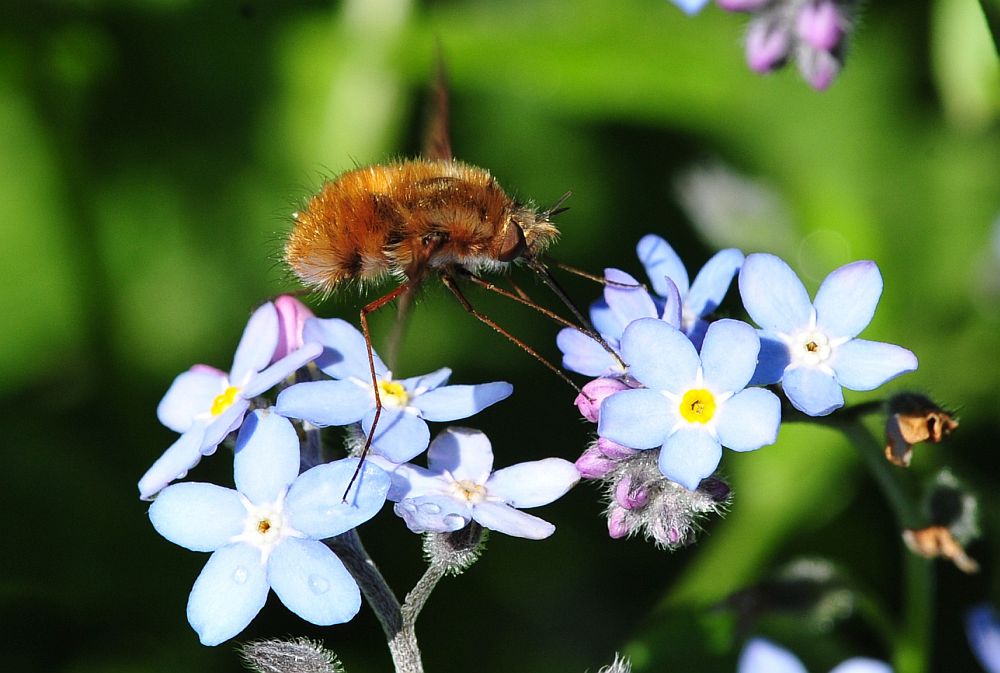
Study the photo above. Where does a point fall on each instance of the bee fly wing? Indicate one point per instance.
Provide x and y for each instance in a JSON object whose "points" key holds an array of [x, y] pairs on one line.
{"points": [[437, 137]]}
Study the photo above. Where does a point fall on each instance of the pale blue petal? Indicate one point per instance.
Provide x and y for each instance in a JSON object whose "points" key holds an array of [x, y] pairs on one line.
{"points": [[605, 321], [175, 462], [418, 385], [434, 513], [196, 516], [534, 483], [673, 305], [312, 582], [408, 480], [223, 424], [982, 627], [316, 505], [689, 455], [228, 594], [627, 303], [509, 521], [812, 391], [763, 656], [729, 355], [846, 301], [267, 456], [324, 403], [771, 361], [257, 346], [690, 7], [282, 369], [865, 365], [712, 282], [345, 354], [749, 419], [773, 295], [862, 665], [463, 452], [450, 403], [639, 419], [661, 262], [659, 356], [189, 395], [582, 354], [400, 435]]}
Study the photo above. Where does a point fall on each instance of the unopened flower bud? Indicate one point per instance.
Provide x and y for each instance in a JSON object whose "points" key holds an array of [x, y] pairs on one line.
{"points": [[935, 541], [716, 489], [741, 5], [292, 316], [590, 398], [913, 419], [817, 67], [593, 464], [820, 24], [767, 44], [614, 450], [294, 656], [617, 524], [630, 496]]}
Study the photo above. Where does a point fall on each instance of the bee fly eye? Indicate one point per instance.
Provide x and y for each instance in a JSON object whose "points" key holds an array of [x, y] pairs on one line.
{"points": [[513, 245], [436, 237]]}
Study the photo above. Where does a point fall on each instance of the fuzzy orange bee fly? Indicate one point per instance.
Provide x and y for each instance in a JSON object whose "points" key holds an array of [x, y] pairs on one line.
{"points": [[408, 219]]}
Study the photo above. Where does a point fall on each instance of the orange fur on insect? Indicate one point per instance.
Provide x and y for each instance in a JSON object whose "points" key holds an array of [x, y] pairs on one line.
{"points": [[402, 218]]}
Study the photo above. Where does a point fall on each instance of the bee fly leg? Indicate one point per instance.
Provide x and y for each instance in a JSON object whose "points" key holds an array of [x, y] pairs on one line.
{"points": [[451, 284]]}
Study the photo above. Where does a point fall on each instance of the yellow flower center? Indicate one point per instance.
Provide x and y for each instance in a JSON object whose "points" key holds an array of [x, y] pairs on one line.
{"points": [[698, 406], [393, 394], [469, 491], [224, 400]]}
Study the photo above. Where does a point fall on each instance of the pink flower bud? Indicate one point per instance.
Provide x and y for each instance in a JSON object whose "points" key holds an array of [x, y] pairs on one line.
{"points": [[766, 45], [292, 316], [593, 464], [613, 450], [589, 400], [617, 525], [741, 5], [818, 68], [629, 497], [820, 24]]}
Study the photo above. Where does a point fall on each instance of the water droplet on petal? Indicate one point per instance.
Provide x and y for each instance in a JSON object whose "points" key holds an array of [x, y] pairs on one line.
{"points": [[329, 511], [430, 508], [408, 506], [318, 585], [240, 575], [454, 521]]}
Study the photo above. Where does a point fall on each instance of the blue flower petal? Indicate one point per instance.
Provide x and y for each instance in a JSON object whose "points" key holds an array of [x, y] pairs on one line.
{"points": [[689, 455], [659, 356], [771, 361], [324, 403], [453, 402], [690, 7], [228, 594], [639, 419], [316, 505], [408, 480], [862, 665], [312, 582], [661, 262], [534, 483], [773, 295], [846, 301], [729, 355], [190, 395], [463, 452], [673, 305], [267, 456], [400, 435], [865, 365], [812, 391], [418, 385], [175, 462], [345, 354], [627, 303], [282, 369], [199, 517], [749, 419], [257, 346], [605, 321], [712, 282], [763, 656], [434, 513], [982, 627], [582, 354], [503, 519], [223, 424]]}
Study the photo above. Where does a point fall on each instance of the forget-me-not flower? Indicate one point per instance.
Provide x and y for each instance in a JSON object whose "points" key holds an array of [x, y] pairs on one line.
{"points": [[692, 405], [690, 6], [982, 627], [699, 299], [266, 534], [763, 656], [811, 346], [205, 404], [407, 404], [459, 486]]}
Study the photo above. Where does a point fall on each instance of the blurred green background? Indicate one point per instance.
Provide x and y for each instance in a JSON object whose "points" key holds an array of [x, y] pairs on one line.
{"points": [[151, 153]]}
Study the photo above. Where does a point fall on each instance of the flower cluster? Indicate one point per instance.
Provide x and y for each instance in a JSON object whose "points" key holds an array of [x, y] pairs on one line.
{"points": [[691, 386], [763, 656]]}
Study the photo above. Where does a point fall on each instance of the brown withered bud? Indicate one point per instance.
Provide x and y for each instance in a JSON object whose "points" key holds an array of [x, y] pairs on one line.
{"points": [[914, 418], [935, 541]]}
